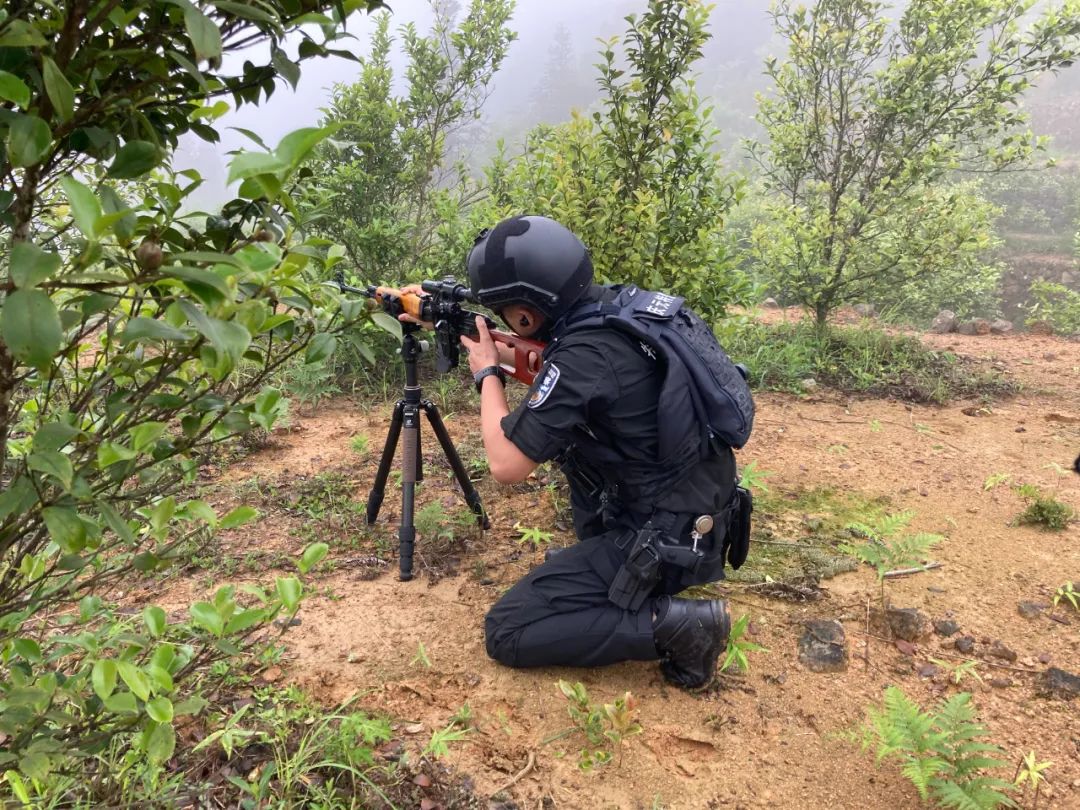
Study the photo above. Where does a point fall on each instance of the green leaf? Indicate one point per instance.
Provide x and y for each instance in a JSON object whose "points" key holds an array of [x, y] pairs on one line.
{"points": [[159, 742], [238, 517], [204, 34], [244, 620], [150, 329], [251, 164], [54, 435], [29, 141], [29, 649], [289, 589], [155, 620], [30, 265], [320, 348], [18, 497], [387, 322], [21, 34], [85, 207], [14, 89], [116, 522], [30, 326], [146, 561], [146, 434], [122, 703], [206, 616], [160, 710], [109, 453], [134, 678], [226, 336], [103, 677], [35, 765], [312, 556], [65, 528], [134, 159], [52, 463], [59, 89], [193, 705], [297, 145]]}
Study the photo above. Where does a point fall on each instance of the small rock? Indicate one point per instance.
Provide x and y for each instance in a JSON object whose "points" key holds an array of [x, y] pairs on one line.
{"points": [[284, 623], [1027, 662], [487, 581], [946, 627], [429, 804], [1043, 328], [1045, 658], [865, 310], [415, 728], [353, 657], [1030, 610], [1049, 356], [770, 303], [965, 645], [1001, 327], [422, 780], [1000, 683], [928, 671], [1020, 429], [271, 675], [823, 646], [999, 650], [1059, 683], [809, 384], [907, 623], [905, 647], [944, 323]]}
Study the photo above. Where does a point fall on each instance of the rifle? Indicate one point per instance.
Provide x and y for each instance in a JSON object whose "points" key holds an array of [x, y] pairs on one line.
{"points": [[442, 306]]}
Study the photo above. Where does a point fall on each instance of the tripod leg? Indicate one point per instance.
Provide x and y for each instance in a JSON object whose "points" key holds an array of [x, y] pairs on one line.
{"points": [[472, 497], [378, 489], [410, 451]]}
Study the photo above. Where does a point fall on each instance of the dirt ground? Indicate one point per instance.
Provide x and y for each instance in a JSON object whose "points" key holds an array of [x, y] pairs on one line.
{"points": [[772, 738]]}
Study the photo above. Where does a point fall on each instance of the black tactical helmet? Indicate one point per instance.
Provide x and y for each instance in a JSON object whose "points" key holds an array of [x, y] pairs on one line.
{"points": [[529, 260]]}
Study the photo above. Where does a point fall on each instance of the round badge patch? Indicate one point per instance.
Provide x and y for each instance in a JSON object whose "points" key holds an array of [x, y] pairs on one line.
{"points": [[544, 388]]}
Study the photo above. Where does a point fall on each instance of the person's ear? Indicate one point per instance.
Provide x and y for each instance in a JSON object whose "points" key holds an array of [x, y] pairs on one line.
{"points": [[523, 321]]}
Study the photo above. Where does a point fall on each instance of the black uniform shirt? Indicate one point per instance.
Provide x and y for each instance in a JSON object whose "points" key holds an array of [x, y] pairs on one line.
{"points": [[603, 385]]}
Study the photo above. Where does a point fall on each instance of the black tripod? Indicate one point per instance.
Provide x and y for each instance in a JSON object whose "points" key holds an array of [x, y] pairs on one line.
{"points": [[407, 416]]}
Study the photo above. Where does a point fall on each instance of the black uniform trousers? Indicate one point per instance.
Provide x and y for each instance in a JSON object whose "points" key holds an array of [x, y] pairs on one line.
{"points": [[560, 614]]}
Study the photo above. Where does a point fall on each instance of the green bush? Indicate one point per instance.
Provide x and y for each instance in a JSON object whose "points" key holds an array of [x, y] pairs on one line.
{"points": [[1057, 305], [861, 359], [639, 181], [135, 338]]}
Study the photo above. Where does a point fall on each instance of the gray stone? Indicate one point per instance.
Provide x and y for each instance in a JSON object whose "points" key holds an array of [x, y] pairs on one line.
{"points": [[1059, 683], [865, 310], [823, 646], [946, 627], [999, 650], [965, 645], [1001, 327], [809, 384], [944, 323], [907, 623], [978, 326], [770, 303], [1030, 610]]}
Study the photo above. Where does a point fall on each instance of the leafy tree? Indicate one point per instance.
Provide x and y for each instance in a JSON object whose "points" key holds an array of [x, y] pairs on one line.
{"points": [[386, 189], [867, 115], [640, 181], [133, 339]]}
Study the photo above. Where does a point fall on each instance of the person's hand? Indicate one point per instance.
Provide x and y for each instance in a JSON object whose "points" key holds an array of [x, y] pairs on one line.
{"points": [[482, 350], [410, 289]]}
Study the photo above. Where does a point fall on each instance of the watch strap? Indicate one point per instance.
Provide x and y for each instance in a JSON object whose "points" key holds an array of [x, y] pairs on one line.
{"points": [[488, 371]]}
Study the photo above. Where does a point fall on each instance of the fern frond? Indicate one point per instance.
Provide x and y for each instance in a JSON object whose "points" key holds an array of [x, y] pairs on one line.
{"points": [[978, 794], [891, 524]]}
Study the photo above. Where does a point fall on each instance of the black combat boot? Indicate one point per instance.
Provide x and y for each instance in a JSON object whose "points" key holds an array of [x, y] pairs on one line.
{"points": [[690, 634]]}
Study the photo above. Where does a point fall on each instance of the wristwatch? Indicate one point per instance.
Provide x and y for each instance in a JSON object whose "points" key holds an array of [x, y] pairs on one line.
{"points": [[487, 371]]}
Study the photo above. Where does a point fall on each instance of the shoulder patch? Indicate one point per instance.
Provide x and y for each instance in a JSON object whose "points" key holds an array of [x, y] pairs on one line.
{"points": [[545, 386]]}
